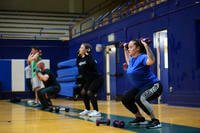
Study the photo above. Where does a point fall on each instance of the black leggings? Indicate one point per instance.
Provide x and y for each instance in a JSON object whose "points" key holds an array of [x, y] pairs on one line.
{"points": [[45, 93], [89, 93], [142, 97]]}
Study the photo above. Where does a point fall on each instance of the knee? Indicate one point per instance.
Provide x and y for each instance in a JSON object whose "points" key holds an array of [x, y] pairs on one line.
{"points": [[42, 92], [83, 93], [57, 88], [137, 99], [125, 100], [91, 94], [140, 99], [39, 92]]}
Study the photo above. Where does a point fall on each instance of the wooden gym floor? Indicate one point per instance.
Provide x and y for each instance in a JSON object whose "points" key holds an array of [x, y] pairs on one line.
{"points": [[18, 118]]}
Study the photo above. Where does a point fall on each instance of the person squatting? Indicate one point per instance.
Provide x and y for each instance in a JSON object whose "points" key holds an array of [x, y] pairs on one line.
{"points": [[51, 86], [89, 79], [145, 85]]}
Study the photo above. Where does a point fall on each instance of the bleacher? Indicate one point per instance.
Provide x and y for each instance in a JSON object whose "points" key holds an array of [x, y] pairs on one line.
{"points": [[119, 12]]}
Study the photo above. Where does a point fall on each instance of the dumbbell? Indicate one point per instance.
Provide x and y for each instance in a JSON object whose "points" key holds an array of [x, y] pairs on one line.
{"points": [[57, 109], [125, 66], [147, 40], [50, 109], [66, 109], [107, 122], [123, 44], [119, 124]]}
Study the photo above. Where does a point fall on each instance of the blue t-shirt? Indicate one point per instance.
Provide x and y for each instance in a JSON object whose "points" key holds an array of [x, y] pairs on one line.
{"points": [[140, 74]]}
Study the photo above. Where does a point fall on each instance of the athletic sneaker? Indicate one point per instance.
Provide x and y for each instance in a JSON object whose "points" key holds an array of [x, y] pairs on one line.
{"points": [[85, 112], [94, 113], [36, 105], [138, 120], [154, 123], [30, 102]]}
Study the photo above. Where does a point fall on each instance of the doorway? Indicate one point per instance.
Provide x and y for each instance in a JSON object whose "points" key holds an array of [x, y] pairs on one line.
{"points": [[110, 63], [161, 45]]}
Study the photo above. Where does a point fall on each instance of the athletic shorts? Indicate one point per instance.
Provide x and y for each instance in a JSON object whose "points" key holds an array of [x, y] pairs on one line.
{"points": [[36, 83]]}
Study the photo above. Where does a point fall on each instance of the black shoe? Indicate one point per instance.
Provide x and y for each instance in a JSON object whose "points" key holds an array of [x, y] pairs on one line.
{"points": [[154, 123], [138, 120]]}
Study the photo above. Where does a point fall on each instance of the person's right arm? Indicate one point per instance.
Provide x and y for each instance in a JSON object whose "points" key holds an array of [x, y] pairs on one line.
{"points": [[127, 57], [29, 58], [35, 57]]}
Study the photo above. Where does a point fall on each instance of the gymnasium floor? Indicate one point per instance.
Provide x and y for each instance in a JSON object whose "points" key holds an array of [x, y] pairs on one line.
{"points": [[18, 118]]}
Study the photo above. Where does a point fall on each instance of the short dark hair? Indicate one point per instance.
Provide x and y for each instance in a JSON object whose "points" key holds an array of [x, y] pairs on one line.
{"points": [[88, 47], [36, 48], [140, 45]]}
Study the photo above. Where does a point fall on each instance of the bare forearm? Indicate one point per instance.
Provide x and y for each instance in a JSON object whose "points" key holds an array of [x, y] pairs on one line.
{"points": [[42, 77], [127, 57], [151, 57], [29, 59], [35, 56]]}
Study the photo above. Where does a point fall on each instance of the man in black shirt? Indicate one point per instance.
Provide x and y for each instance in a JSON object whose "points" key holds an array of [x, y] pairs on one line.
{"points": [[51, 86]]}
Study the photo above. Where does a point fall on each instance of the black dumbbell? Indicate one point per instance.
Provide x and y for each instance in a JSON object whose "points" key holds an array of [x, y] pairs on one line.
{"points": [[123, 44], [107, 122], [66, 109], [57, 109], [119, 124], [50, 109], [147, 40]]}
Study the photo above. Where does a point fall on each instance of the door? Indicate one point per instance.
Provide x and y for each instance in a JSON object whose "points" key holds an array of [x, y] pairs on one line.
{"points": [[161, 45], [110, 57]]}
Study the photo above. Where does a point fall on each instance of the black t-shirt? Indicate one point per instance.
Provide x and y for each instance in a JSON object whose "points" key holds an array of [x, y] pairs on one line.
{"points": [[87, 68], [52, 79]]}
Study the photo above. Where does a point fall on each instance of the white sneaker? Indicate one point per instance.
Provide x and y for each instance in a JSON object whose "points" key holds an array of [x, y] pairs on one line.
{"points": [[94, 113], [85, 112], [30, 102]]}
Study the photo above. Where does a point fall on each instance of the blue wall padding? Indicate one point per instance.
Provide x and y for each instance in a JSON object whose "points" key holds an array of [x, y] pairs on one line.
{"points": [[67, 63], [67, 72], [67, 79], [67, 89], [5, 75], [54, 50]]}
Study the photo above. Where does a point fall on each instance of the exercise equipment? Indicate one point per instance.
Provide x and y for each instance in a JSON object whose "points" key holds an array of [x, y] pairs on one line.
{"points": [[57, 109], [125, 66], [107, 122], [117, 123]]}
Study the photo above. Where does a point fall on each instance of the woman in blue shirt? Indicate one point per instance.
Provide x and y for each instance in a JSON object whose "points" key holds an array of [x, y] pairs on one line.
{"points": [[145, 85]]}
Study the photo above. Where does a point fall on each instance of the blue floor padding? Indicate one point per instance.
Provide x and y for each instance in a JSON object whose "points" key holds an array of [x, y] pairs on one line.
{"points": [[67, 89], [67, 63], [66, 79], [67, 72]]}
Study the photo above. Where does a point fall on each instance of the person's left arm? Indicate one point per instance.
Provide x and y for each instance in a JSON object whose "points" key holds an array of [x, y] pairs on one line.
{"points": [[91, 62], [92, 65], [150, 55]]}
